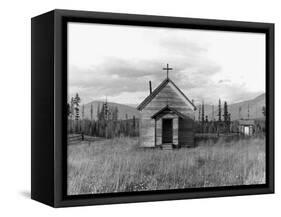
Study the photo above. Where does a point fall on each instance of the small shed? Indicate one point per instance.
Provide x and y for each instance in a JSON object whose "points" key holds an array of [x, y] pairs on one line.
{"points": [[167, 117], [246, 126]]}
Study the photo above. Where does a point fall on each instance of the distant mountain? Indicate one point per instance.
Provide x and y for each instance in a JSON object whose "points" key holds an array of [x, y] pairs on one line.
{"points": [[122, 110], [255, 109]]}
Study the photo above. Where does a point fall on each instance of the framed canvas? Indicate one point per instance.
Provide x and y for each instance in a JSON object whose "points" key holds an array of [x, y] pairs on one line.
{"points": [[133, 108]]}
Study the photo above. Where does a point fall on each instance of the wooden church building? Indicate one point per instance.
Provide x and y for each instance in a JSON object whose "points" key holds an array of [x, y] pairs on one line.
{"points": [[167, 117]]}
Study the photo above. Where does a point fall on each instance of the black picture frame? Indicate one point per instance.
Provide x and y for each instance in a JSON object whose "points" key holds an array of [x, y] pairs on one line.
{"points": [[49, 94]]}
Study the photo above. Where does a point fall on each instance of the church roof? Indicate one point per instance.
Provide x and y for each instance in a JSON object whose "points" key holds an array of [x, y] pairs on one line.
{"points": [[166, 110], [154, 93]]}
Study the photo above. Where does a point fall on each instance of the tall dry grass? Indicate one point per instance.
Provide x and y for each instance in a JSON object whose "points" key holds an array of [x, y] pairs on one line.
{"points": [[118, 165]]}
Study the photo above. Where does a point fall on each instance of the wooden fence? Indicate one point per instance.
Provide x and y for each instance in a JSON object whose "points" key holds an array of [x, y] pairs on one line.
{"points": [[73, 138]]}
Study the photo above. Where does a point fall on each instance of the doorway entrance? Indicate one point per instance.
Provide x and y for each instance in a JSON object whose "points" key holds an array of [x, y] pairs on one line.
{"points": [[167, 130]]}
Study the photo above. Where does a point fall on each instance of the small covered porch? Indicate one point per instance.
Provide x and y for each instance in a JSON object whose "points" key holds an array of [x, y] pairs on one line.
{"points": [[167, 127]]}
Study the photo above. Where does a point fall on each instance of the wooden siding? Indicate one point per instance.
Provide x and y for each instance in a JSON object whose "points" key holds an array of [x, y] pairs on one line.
{"points": [[186, 132], [168, 95], [147, 132], [175, 131], [158, 132], [156, 91]]}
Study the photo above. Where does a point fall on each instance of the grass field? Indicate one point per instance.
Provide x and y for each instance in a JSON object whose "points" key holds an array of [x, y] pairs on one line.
{"points": [[118, 165]]}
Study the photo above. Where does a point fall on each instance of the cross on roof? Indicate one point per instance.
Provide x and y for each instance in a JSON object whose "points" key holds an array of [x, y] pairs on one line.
{"points": [[167, 69]]}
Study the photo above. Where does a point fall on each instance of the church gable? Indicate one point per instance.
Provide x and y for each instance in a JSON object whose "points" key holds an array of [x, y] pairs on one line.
{"points": [[167, 93], [165, 113]]}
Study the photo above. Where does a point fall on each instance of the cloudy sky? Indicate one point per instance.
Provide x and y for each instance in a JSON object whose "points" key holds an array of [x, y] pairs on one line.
{"points": [[117, 62]]}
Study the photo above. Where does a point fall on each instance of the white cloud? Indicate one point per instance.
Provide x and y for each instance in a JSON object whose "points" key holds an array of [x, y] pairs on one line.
{"points": [[118, 61]]}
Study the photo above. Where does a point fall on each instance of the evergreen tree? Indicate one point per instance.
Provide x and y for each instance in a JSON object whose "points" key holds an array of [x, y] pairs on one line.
{"points": [[203, 112], [226, 117], [83, 122], [104, 113], [219, 111], [71, 115], [91, 111], [199, 113], [225, 112], [105, 110], [76, 102], [98, 112], [71, 108]]}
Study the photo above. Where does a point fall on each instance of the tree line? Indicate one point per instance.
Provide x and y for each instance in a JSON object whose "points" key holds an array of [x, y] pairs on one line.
{"points": [[107, 124], [221, 124]]}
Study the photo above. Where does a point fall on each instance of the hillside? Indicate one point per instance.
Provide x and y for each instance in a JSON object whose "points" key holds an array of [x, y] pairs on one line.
{"points": [[255, 108], [122, 110]]}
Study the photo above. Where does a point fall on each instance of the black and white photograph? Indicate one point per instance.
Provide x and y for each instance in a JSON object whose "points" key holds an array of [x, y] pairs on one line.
{"points": [[140, 108], [154, 108]]}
